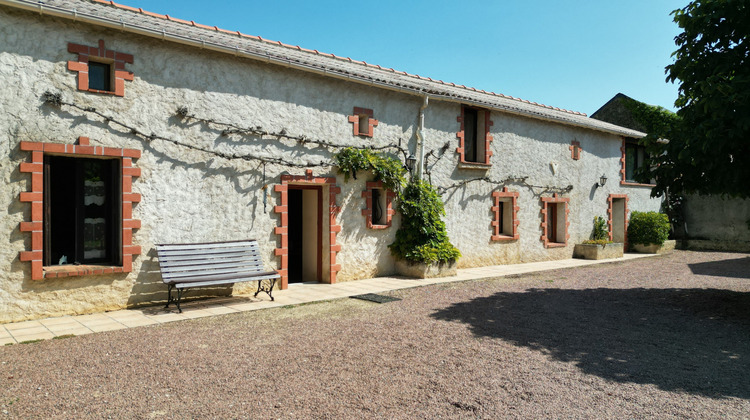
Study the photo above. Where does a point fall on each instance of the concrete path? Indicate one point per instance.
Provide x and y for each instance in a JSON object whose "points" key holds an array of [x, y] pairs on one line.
{"points": [[43, 329]]}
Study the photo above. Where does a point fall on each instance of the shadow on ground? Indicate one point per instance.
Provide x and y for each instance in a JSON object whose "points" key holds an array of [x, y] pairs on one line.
{"points": [[688, 340], [737, 268]]}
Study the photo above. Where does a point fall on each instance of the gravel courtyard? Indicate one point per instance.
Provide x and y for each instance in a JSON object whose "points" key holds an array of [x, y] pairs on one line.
{"points": [[661, 337]]}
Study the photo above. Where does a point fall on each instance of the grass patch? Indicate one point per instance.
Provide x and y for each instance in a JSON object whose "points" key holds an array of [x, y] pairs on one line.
{"points": [[60, 337], [31, 341]]}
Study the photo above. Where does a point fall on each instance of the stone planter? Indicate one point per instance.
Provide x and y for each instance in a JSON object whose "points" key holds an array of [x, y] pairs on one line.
{"points": [[425, 271], [668, 246], [598, 252]]}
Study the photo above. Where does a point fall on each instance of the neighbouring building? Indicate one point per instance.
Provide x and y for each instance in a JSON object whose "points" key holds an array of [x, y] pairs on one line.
{"points": [[709, 222], [123, 129]]}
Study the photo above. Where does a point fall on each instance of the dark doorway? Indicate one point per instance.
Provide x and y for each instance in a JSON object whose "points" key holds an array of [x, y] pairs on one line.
{"points": [[305, 235]]}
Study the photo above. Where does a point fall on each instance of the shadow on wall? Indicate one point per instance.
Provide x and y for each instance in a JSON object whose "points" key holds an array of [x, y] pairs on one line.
{"points": [[681, 340], [737, 268]]}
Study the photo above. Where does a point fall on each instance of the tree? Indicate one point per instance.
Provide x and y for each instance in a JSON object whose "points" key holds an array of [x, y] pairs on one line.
{"points": [[709, 147]]}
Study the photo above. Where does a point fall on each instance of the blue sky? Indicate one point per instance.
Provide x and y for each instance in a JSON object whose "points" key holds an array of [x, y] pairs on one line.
{"points": [[570, 54]]}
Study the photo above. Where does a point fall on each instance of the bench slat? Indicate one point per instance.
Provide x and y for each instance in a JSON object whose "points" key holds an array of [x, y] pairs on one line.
{"points": [[210, 245], [179, 258], [230, 281], [206, 261], [187, 252], [200, 271], [226, 277]]}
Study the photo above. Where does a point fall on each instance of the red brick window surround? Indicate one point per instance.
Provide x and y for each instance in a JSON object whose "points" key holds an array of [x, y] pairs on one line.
{"points": [[105, 66], [35, 197], [555, 223], [629, 164], [474, 136], [363, 122], [575, 150], [283, 229], [379, 201], [505, 209]]}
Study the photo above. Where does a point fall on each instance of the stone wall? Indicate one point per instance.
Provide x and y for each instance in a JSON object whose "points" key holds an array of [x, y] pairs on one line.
{"points": [[189, 195], [713, 222]]}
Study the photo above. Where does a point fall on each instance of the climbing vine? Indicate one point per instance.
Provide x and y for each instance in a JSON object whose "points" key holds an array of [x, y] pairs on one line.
{"points": [[386, 169], [422, 237]]}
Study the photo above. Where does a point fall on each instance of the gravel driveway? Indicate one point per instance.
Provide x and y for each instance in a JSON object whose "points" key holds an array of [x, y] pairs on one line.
{"points": [[662, 337]]}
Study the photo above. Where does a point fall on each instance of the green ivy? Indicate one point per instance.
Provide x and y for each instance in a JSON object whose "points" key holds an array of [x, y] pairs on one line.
{"points": [[648, 228], [386, 169], [422, 237], [600, 231]]}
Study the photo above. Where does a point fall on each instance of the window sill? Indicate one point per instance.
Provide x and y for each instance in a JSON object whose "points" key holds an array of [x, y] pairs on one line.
{"points": [[504, 238], [57, 271], [635, 184], [555, 245], [379, 226], [474, 165]]}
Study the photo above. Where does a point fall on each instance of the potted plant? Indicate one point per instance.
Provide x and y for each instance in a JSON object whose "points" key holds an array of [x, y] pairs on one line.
{"points": [[648, 232], [599, 246]]}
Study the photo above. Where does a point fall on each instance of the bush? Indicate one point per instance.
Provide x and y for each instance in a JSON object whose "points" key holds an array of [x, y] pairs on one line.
{"points": [[648, 228], [600, 232], [422, 238], [597, 242]]}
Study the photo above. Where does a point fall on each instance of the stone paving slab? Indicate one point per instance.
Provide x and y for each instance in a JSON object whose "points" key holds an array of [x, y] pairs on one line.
{"points": [[44, 329]]}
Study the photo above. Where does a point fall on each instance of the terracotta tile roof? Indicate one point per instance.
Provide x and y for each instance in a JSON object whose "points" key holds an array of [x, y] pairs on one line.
{"points": [[111, 14]]}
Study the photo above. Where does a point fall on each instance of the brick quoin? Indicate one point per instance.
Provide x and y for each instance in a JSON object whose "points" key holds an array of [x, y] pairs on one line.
{"points": [[100, 54], [34, 226]]}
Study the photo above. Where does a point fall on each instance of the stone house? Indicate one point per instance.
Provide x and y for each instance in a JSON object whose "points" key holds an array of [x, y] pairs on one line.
{"points": [[124, 129], [708, 222]]}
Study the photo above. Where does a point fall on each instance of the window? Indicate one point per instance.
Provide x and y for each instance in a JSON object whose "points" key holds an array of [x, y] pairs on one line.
{"points": [[505, 210], [81, 210], [555, 221], [363, 122], [100, 76], [474, 136], [81, 203], [379, 208], [633, 158], [100, 70]]}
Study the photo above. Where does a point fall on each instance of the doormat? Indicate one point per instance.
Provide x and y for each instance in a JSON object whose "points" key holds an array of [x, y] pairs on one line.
{"points": [[372, 297]]}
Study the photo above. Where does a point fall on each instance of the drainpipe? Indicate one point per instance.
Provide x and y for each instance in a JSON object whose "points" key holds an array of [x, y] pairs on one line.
{"points": [[420, 138]]}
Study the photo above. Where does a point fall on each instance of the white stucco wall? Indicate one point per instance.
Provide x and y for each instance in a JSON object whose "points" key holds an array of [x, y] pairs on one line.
{"points": [[192, 196], [714, 218]]}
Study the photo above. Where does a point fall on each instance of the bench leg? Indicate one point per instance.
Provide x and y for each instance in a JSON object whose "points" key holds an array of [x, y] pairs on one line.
{"points": [[170, 299], [263, 289]]}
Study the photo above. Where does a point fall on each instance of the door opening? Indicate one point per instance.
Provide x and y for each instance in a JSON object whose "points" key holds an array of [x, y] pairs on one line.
{"points": [[305, 234], [618, 220]]}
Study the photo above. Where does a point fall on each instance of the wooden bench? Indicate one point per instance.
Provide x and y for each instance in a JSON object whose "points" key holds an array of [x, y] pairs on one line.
{"points": [[210, 264]]}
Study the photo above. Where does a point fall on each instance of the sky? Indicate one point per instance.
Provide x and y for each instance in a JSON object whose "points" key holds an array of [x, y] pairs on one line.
{"points": [[570, 54]]}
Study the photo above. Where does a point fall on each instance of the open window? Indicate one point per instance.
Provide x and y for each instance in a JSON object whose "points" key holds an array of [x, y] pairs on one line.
{"points": [[82, 206], [379, 208], [363, 122], [474, 136], [505, 210], [633, 158], [555, 221]]}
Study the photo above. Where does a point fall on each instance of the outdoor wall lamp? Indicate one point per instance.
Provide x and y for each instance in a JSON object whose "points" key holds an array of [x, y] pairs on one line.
{"points": [[410, 163], [602, 181]]}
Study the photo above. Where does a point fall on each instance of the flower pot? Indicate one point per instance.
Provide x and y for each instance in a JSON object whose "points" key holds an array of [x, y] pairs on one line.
{"points": [[598, 252], [425, 271], [667, 246]]}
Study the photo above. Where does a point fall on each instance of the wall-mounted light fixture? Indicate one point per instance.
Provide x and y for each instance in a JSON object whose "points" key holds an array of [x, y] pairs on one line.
{"points": [[602, 181], [411, 161]]}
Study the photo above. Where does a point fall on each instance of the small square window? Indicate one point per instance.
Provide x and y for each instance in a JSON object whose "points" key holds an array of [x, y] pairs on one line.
{"points": [[100, 76], [505, 211], [378, 209]]}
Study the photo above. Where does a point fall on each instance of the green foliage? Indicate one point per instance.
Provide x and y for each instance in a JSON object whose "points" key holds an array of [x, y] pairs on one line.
{"points": [[648, 228], [600, 232], [597, 242], [710, 155], [422, 236], [386, 169]]}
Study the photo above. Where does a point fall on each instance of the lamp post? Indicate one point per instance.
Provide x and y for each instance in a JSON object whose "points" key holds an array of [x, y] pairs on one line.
{"points": [[410, 163]]}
